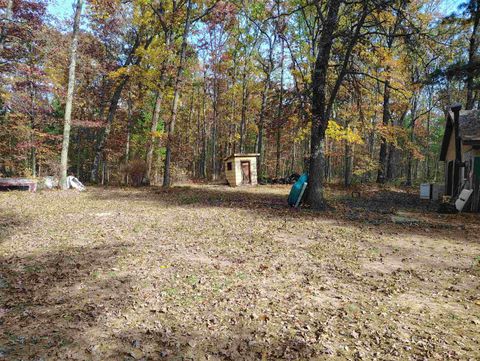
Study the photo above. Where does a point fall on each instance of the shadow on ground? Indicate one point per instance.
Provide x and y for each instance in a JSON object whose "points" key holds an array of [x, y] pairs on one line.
{"points": [[375, 208], [56, 305], [49, 300]]}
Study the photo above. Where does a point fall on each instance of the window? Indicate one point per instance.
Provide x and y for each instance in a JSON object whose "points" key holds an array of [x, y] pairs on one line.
{"points": [[229, 166]]}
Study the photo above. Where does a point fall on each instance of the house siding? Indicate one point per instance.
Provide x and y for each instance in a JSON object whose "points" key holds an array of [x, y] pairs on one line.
{"points": [[234, 177]]}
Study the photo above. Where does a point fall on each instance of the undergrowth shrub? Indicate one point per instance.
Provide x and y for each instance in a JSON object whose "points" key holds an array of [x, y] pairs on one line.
{"points": [[136, 171]]}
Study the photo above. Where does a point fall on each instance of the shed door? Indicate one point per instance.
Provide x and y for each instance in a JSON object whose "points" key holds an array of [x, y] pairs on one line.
{"points": [[476, 185], [246, 176]]}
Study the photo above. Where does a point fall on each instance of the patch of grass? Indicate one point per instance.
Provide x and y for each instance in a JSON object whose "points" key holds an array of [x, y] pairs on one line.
{"points": [[476, 262], [242, 276], [32, 269], [189, 199]]}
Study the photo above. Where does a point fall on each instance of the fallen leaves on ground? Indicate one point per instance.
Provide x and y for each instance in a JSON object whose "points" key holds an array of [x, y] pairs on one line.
{"points": [[213, 273]]}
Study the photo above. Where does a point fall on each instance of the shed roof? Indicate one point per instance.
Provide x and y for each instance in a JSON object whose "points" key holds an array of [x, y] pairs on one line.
{"points": [[243, 155], [469, 129], [470, 124]]}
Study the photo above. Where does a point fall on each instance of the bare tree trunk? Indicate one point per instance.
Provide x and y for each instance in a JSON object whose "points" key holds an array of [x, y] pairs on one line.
{"points": [[243, 122], [472, 51], [348, 161], [261, 121], [176, 97], [33, 149], [153, 129], [280, 114], [382, 162], [319, 108], [102, 140], [6, 24], [203, 162], [214, 127], [70, 92], [409, 181], [129, 134]]}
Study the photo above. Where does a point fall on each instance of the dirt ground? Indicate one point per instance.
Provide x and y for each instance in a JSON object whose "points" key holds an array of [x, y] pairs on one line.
{"points": [[213, 273]]}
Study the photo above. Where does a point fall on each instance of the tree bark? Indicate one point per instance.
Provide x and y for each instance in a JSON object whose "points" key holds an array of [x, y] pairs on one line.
{"points": [[106, 132], [129, 134], [102, 139], [319, 108], [6, 24], [383, 160], [70, 93], [382, 169], [243, 122], [261, 123], [280, 114], [176, 98], [472, 51], [409, 181], [153, 129]]}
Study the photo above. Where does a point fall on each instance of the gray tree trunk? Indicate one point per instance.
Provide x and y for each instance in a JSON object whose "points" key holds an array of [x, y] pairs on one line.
{"points": [[70, 92], [472, 54], [6, 23], [153, 129]]}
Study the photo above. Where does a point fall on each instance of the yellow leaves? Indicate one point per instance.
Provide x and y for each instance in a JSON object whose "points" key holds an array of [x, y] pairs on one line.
{"points": [[157, 134], [120, 72], [302, 134], [338, 133]]}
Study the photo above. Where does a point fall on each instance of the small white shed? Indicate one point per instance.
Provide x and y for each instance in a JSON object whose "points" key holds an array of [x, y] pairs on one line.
{"points": [[241, 169]]}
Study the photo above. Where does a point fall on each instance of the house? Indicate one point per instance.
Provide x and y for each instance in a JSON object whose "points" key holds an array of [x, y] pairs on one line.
{"points": [[241, 169], [461, 153]]}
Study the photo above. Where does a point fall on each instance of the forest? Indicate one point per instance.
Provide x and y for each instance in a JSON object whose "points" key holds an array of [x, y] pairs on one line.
{"points": [[162, 91]]}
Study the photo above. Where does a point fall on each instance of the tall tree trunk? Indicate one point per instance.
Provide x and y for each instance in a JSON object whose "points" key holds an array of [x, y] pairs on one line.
{"points": [[243, 122], [382, 162], [129, 134], [214, 127], [409, 181], [102, 140], [203, 164], [115, 98], [176, 98], [280, 115], [348, 161], [153, 129], [261, 123], [33, 149], [472, 54], [70, 92], [319, 108], [6, 24]]}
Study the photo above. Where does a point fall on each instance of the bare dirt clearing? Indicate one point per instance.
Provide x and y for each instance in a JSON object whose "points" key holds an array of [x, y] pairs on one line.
{"points": [[208, 272]]}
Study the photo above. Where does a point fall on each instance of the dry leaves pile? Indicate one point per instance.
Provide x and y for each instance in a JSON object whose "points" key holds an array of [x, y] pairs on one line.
{"points": [[212, 273]]}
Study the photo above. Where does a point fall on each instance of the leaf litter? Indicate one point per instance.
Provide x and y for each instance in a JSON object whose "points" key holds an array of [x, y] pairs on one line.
{"points": [[213, 273]]}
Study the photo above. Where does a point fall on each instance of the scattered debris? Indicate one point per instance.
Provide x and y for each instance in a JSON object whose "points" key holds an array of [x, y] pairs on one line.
{"points": [[50, 182], [18, 184], [74, 183]]}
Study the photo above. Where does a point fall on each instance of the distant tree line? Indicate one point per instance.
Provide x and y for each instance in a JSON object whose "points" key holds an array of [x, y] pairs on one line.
{"points": [[162, 91]]}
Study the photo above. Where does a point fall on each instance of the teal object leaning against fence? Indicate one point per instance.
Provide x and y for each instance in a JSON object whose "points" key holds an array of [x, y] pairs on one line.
{"points": [[297, 188]]}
